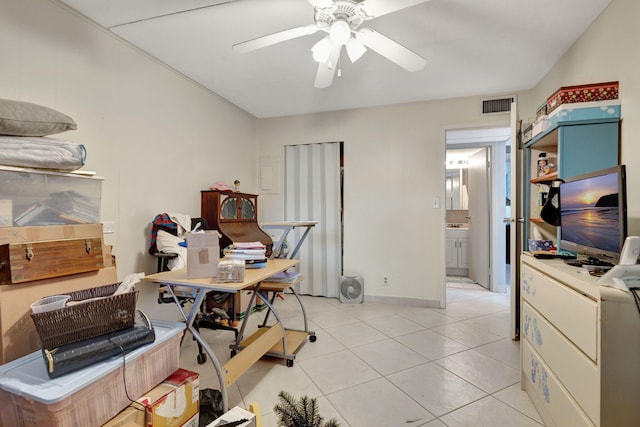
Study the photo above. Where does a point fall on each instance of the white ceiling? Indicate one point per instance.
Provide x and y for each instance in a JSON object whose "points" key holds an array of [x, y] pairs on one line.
{"points": [[472, 48]]}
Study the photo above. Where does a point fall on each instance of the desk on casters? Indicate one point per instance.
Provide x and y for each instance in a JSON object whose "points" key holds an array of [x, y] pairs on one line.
{"points": [[275, 340]]}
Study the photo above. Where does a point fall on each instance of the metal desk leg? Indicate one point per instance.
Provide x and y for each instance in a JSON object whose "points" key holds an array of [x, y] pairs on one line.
{"points": [[189, 320], [265, 299], [300, 242], [278, 245]]}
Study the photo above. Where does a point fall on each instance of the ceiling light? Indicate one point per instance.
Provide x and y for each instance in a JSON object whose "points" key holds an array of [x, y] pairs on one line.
{"points": [[322, 50], [355, 49], [340, 32]]}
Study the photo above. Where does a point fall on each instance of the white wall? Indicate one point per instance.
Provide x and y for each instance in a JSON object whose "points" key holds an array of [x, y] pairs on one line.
{"points": [[156, 137], [394, 160], [608, 51]]}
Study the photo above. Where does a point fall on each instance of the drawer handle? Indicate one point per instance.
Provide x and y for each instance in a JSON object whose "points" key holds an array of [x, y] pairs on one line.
{"points": [[87, 245], [29, 252]]}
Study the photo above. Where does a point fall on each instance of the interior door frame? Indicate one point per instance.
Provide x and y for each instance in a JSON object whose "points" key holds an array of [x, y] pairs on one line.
{"points": [[496, 137], [516, 220]]}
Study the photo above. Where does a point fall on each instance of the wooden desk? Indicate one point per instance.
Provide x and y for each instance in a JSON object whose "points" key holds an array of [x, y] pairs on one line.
{"points": [[274, 340]]}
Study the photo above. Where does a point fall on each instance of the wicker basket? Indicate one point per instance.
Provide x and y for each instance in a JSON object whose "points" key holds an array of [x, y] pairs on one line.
{"points": [[87, 320]]}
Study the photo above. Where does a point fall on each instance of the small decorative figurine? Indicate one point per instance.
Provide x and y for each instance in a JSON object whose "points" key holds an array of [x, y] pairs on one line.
{"points": [[236, 185], [542, 164], [544, 167]]}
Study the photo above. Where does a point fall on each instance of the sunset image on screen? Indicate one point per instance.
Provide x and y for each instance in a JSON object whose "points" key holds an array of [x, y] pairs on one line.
{"points": [[590, 212], [582, 196]]}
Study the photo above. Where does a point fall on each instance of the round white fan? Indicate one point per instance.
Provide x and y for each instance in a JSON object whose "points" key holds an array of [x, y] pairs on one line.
{"points": [[341, 20], [351, 290]]}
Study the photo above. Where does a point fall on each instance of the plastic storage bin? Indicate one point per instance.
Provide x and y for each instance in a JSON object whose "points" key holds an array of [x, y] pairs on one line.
{"points": [[36, 197], [90, 396]]}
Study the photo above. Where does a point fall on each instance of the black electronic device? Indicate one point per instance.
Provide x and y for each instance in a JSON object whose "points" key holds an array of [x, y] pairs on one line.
{"points": [[552, 255], [78, 355], [590, 261], [593, 215]]}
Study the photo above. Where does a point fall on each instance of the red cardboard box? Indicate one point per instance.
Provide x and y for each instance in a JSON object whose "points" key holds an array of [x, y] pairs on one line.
{"points": [[582, 93], [175, 402]]}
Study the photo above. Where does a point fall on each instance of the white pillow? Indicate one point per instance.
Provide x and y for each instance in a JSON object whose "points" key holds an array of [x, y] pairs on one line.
{"points": [[20, 118]]}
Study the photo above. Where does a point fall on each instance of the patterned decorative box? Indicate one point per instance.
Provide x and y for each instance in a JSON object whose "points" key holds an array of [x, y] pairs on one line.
{"points": [[585, 111], [541, 111], [582, 93], [527, 133], [540, 245]]}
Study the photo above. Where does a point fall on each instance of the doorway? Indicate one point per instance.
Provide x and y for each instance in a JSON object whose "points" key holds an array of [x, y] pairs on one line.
{"points": [[486, 206], [313, 192]]}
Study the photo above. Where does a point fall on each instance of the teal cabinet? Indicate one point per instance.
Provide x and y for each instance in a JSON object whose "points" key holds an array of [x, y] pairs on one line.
{"points": [[574, 149], [587, 148]]}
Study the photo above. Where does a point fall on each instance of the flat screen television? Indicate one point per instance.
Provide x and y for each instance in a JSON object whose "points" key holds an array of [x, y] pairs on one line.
{"points": [[593, 214]]}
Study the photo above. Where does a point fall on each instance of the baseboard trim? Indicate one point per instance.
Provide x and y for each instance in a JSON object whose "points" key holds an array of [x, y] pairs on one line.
{"points": [[416, 302]]}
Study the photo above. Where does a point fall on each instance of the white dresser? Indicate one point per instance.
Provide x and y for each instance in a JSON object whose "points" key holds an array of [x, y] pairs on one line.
{"points": [[580, 347]]}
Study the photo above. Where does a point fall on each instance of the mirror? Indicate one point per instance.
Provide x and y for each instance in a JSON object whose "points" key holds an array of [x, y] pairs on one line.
{"points": [[457, 196], [229, 208], [248, 210]]}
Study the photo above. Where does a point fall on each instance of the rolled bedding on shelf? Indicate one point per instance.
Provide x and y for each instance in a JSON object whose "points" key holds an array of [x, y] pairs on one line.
{"points": [[41, 152]]}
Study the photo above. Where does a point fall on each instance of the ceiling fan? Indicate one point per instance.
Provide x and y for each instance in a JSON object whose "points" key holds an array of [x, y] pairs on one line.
{"points": [[341, 20]]}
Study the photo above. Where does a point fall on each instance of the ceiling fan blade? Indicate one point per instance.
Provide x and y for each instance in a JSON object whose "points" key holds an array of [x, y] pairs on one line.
{"points": [[374, 8], [391, 50], [274, 38], [355, 49], [326, 70], [321, 4]]}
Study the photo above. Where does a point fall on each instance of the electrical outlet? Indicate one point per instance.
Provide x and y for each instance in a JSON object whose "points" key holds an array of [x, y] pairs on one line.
{"points": [[385, 281], [108, 227]]}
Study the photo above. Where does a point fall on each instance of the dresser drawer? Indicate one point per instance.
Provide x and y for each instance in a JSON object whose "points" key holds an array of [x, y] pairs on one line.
{"points": [[578, 373], [573, 314], [555, 404]]}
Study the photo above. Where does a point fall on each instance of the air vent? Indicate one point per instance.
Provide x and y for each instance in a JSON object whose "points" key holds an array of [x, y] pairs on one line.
{"points": [[497, 105]]}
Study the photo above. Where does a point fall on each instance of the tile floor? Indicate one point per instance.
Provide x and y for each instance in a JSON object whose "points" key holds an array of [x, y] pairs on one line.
{"points": [[391, 365]]}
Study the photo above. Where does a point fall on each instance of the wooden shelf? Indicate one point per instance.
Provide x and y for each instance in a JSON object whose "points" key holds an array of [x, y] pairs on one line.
{"points": [[542, 222], [546, 178]]}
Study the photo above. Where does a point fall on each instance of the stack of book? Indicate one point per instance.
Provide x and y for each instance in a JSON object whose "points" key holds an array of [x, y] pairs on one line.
{"points": [[252, 253]]}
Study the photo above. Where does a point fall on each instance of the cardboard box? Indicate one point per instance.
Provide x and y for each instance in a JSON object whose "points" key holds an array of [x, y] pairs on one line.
{"points": [[235, 414], [91, 396], [203, 254], [48, 232], [174, 402], [242, 300], [18, 336], [132, 416]]}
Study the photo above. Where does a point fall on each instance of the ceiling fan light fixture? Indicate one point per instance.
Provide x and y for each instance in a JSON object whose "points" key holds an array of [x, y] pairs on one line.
{"points": [[322, 50], [340, 32], [355, 49]]}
